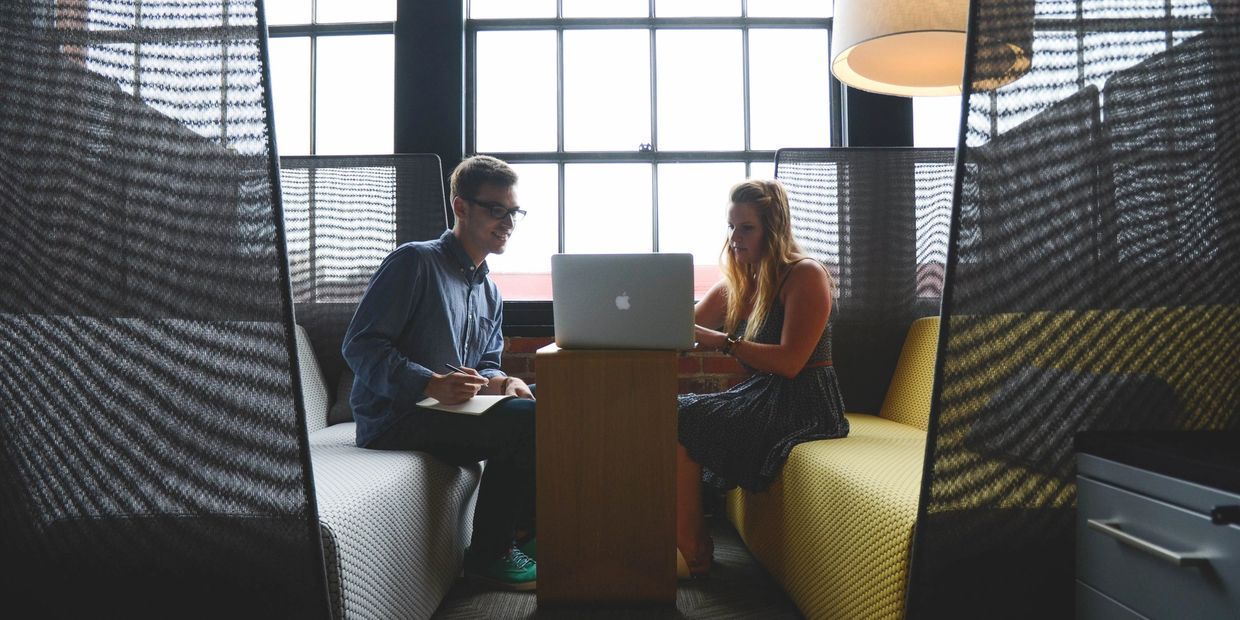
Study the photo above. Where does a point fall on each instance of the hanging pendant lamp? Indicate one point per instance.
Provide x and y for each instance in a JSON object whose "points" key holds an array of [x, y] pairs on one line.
{"points": [[917, 47]]}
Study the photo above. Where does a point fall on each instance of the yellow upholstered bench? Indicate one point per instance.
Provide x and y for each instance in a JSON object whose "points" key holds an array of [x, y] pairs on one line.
{"points": [[836, 528]]}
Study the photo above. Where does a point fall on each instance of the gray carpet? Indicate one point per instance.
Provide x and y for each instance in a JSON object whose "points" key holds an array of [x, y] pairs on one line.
{"points": [[738, 587]]}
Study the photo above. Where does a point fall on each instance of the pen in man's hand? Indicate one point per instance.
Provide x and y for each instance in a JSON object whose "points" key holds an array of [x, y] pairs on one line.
{"points": [[455, 369]]}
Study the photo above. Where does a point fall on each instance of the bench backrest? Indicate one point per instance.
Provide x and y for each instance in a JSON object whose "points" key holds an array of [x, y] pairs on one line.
{"points": [[314, 394], [908, 397], [878, 218]]}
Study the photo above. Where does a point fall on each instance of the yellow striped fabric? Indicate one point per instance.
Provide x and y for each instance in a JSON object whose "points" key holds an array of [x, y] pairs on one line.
{"points": [[836, 528], [908, 398]]}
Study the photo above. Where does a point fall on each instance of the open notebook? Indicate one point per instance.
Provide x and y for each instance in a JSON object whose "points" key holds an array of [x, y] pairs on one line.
{"points": [[477, 405]]}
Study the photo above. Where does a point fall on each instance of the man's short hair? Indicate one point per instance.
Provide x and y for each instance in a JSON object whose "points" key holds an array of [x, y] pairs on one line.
{"points": [[470, 175]]}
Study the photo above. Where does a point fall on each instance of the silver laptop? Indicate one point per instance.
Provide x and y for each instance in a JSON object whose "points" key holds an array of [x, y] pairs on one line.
{"points": [[622, 301]]}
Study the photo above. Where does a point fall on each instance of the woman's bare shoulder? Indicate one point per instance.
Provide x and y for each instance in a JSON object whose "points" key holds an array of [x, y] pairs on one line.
{"points": [[807, 273], [720, 287], [802, 264]]}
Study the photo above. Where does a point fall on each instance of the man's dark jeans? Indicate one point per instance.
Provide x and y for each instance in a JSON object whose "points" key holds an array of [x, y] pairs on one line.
{"points": [[504, 438]]}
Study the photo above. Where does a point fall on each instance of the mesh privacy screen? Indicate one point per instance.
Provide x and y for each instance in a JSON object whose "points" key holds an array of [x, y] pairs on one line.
{"points": [[878, 218], [152, 451], [1092, 281], [344, 215]]}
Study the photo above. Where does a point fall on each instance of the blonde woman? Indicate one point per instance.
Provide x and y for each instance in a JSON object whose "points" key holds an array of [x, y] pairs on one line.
{"points": [[770, 312]]}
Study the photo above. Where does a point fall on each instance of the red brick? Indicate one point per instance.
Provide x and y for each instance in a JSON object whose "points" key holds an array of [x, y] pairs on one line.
{"points": [[516, 364], [722, 365], [523, 344], [689, 365]]}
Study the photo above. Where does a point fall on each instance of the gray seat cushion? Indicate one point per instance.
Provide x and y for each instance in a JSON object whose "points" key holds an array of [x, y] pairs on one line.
{"points": [[395, 525]]}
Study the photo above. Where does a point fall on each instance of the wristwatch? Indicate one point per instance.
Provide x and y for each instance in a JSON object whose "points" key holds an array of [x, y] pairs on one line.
{"points": [[731, 342]]}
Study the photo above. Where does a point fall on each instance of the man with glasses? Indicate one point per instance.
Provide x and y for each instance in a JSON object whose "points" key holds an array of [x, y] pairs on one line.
{"points": [[431, 305]]}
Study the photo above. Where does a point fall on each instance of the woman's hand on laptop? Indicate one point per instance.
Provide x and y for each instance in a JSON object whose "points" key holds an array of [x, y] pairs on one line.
{"points": [[455, 387], [709, 339]]}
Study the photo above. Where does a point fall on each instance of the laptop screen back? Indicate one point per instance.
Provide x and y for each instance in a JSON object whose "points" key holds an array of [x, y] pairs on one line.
{"points": [[622, 301]]}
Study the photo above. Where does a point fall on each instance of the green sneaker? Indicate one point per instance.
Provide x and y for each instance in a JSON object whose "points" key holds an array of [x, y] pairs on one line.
{"points": [[530, 548], [513, 571]]}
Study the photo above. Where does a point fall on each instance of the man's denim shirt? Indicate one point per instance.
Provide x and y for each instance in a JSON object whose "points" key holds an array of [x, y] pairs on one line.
{"points": [[427, 305]]}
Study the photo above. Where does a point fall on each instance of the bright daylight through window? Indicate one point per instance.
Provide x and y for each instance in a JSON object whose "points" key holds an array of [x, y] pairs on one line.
{"points": [[332, 64], [629, 120]]}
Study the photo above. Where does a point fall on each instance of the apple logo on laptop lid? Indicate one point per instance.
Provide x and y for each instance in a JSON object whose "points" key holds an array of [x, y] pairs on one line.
{"points": [[622, 301]]}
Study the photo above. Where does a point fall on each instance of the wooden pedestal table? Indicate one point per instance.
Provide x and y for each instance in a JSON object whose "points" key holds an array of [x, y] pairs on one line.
{"points": [[606, 428]]}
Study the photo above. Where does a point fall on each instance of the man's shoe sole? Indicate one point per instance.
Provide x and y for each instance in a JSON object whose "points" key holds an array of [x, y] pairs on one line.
{"points": [[510, 586]]}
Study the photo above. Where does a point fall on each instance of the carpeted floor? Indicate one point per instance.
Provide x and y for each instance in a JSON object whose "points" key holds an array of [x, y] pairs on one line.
{"points": [[738, 587]]}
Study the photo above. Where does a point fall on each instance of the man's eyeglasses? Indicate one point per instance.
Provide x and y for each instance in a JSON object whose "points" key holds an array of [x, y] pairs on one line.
{"points": [[499, 211]]}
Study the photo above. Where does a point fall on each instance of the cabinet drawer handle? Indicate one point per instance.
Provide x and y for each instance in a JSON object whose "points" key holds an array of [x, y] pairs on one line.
{"points": [[1112, 529]]}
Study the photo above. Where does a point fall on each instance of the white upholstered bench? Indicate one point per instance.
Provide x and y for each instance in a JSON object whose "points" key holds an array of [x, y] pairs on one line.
{"points": [[394, 524]]}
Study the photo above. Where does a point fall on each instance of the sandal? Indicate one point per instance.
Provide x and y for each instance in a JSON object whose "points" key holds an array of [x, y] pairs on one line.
{"points": [[698, 569]]}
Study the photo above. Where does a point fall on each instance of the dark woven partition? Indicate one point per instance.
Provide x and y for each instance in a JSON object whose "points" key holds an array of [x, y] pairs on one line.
{"points": [[878, 217], [153, 458], [1092, 283], [344, 215]]}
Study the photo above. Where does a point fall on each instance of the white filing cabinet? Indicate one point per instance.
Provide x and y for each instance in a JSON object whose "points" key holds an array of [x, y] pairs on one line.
{"points": [[1156, 536]]}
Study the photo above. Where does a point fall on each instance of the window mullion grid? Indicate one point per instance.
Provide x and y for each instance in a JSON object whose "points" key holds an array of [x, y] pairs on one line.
{"points": [[561, 158], [312, 176], [745, 83], [471, 90], [314, 77], [654, 206], [559, 90], [616, 23], [654, 135], [314, 87], [331, 30], [561, 168], [628, 157]]}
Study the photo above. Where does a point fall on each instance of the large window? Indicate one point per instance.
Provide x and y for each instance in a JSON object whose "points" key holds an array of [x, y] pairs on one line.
{"points": [[332, 74], [628, 121]]}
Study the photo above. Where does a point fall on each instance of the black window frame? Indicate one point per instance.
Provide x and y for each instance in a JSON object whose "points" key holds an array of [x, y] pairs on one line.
{"points": [[534, 317], [314, 31], [431, 106]]}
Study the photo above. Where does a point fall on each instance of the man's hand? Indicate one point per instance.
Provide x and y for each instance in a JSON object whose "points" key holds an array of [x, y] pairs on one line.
{"points": [[454, 388], [518, 388]]}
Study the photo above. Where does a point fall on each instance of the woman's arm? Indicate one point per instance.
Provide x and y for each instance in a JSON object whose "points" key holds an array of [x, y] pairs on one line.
{"points": [[807, 306], [711, 310], [708, 314]]}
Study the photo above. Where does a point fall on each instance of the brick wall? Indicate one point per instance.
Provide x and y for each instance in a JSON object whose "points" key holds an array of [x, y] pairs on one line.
{"points": [[700, 372], [518, 360]]}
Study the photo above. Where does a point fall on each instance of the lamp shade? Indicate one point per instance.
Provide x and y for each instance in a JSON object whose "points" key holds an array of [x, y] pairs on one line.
{"points": [[917, 47]]}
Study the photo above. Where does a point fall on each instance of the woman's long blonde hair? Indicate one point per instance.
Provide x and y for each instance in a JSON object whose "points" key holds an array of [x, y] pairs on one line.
{"points": [[759, 282]]}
